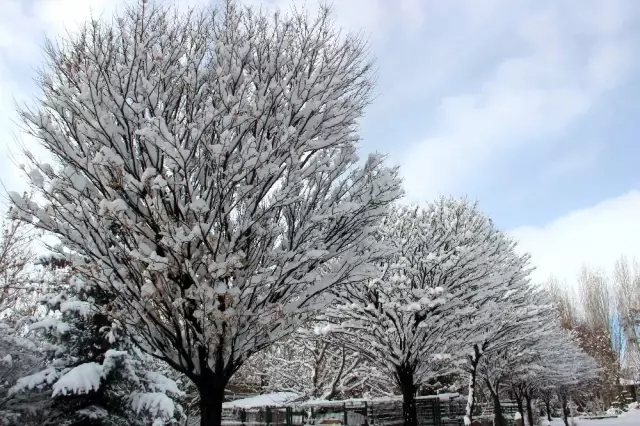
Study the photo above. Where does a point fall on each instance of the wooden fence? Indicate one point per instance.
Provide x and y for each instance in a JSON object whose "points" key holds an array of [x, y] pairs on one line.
{"points": [[432, 411]]}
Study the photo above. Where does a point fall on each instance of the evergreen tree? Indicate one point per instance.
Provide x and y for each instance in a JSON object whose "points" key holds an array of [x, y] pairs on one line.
{"points": [[95, 375]]}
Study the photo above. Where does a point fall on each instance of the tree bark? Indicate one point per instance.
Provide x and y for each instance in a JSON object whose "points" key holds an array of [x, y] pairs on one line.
{"points": [[565, 410], [408, 388], [471, 395], [211, 388], [211, 398], [211, 405], [518, 396], [494, 390], [527, 397], [547, 406], [497, 410]]}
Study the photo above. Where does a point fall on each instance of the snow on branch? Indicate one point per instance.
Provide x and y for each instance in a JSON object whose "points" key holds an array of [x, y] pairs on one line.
{"points": [[447, 266], [208, 175]]}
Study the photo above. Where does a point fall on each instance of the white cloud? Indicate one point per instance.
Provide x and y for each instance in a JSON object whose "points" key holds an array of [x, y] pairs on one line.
{"points": [[16, 31], [23, 26], [596, 236], [10, 94], [571, 164], [566, 60], [373, 17]]}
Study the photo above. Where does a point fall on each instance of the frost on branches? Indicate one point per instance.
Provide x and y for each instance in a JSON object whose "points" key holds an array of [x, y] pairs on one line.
{"points": [[18, 354], [208, 177], [517, 312], [443, 263], [557, 363], [314, 366], [531, 357]]}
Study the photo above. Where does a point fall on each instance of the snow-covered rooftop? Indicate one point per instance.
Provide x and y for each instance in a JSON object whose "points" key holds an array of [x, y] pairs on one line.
{"points": [[276, 399], [357, 401]]}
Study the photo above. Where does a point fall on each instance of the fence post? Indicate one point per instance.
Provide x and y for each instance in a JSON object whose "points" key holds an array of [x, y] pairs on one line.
{"points": [[344, 414], [268, 416], [243, 416], [366, 414]]}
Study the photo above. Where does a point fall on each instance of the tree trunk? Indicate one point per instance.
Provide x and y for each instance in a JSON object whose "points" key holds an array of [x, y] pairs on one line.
{"points": [[212, 383], [497, 409], [565, 410], [494, 390], [408, 388], [518, 396], [471, 396], [547, 406], [527, 397], [211, 398]]}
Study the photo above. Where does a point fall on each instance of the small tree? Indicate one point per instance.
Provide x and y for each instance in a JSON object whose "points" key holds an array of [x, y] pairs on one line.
{"points": [[575, 372], [443, 265], [514, 356], [518, 313], [564, 303], [92, 372], [208, 177], [18, 294], [544, 369], [16, 256]]}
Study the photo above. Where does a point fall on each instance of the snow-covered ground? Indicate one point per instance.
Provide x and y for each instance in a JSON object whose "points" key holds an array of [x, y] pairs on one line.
{"points": [[630, 418]]}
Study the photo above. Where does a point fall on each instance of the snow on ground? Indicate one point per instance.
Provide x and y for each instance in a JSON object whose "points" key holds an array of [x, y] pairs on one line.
{"points": [[630, 418]]}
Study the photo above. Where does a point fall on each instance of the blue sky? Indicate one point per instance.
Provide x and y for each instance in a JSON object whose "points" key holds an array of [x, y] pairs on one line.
{"points": [[529, 106]]}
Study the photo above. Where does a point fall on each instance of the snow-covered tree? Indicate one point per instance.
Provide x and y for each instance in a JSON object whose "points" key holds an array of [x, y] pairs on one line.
{"points": [[540, 360], [92, 373], [16, 255], [536, 371], [520, 313], [207, 176], [315, 365], [566, 365], [496, 367], [413, 319], [18, 354], [573, 373], [518, 359]]}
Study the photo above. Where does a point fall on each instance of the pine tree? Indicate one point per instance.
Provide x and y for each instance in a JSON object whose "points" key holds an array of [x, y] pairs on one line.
{"points": [[94, 375]]}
